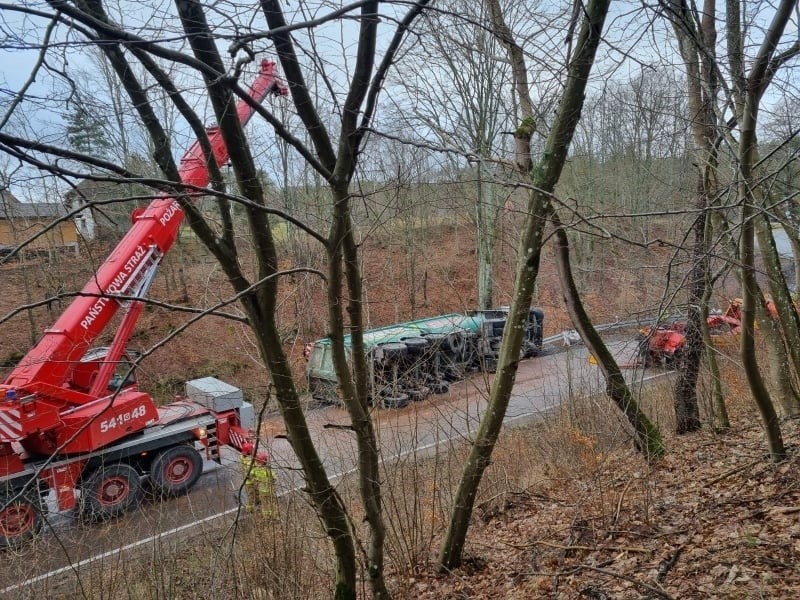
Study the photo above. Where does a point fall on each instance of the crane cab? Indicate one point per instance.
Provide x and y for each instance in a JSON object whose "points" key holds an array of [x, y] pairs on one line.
{"points": [[85, 373]]}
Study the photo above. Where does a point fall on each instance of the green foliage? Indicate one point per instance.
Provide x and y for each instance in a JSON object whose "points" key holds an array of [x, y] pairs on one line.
{"points": [[85, 132], [526, 128], [750, 540]]}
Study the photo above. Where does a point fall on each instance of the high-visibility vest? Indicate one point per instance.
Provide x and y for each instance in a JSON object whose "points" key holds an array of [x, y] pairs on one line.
{"points": [[254, 470]]}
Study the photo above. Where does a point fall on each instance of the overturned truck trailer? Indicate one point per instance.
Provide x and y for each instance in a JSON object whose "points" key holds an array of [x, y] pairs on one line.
{"points": [[410, 360]]}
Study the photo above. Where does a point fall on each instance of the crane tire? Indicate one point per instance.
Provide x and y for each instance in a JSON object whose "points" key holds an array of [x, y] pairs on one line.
{"points": [[175, 470], [21, 517], [110, 491], [673, 361], [644, 352]]}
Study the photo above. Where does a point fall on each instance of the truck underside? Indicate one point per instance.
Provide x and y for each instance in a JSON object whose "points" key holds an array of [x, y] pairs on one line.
{"points": [[409, 361]]}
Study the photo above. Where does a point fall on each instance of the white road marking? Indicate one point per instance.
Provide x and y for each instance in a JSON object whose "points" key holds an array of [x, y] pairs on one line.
{"points": [[169, 532], [87, 561]]}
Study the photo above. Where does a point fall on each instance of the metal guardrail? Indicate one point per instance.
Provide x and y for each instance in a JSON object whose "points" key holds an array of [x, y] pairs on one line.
{"points": [[571, 337]]}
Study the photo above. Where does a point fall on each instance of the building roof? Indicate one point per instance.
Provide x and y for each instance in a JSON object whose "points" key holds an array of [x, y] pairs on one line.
{"points": [[11, 208], [90, 190]]}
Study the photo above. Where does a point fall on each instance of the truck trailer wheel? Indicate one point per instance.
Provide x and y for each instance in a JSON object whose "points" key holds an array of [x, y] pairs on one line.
{"points": [[392, 350], [20, 518], [455, 344], [396, 401], [110, 491], [415, 345], [175, 470], [439, 387]]}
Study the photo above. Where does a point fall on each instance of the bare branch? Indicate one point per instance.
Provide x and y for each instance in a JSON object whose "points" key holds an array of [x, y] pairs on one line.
{"points": [[34, 71], [297, 84]]}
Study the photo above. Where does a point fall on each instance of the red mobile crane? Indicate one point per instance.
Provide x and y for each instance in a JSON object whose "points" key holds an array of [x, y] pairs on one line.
{"points": [[664, 344], [73, 419]]}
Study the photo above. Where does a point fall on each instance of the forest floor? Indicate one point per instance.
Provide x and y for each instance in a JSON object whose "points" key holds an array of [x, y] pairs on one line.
{"points": [[713, 519]]}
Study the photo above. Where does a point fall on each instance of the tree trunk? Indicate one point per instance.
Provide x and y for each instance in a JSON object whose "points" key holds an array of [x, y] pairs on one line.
{"points": [[646, 436], [697, 48], [780, 367], [485, 214], [324, 497], [687, 411], [751, 294], [544, 179], [719, 410], [355, 391], [787, 334], [751, 92]]}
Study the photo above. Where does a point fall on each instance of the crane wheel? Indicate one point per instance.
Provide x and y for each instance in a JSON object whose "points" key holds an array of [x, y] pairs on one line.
{"points": [[673, 361], [20, 518], [175, 470], [644, 353], [110, 491]]}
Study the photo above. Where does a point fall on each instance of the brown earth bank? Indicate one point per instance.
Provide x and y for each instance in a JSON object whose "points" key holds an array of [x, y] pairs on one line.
{"points": [[432, 274]]}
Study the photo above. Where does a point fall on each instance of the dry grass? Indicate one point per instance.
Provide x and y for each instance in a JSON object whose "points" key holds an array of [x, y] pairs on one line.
{"points": [[557, 494], [251, 557]]}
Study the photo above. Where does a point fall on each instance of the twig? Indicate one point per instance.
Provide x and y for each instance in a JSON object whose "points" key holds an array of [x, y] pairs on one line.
{"points": [[735, 470], [784, 510], [666, 566], [652, 589], [590, 548], [621, 498], [335, 426], [570, 571], [649, 536], [774, 562]]}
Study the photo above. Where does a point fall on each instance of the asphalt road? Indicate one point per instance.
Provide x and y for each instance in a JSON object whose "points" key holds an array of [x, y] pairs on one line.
{"points": [[68, 546]]}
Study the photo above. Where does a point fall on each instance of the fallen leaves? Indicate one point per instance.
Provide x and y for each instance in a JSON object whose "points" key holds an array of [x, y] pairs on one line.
{"points": [[714, 519]]}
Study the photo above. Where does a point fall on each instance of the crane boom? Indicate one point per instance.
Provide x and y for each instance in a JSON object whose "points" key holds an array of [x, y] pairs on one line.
{"points": [[38, 391]]}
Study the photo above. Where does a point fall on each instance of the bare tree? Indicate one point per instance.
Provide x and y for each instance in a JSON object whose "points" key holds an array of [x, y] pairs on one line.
{"points": [[332, 152], [460, 87], [696, 40], [544, 177], [696, 35], [751, 88]]}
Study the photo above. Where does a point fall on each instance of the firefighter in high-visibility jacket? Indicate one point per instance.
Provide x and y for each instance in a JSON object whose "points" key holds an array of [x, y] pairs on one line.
{"points": [[259, 483]]}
